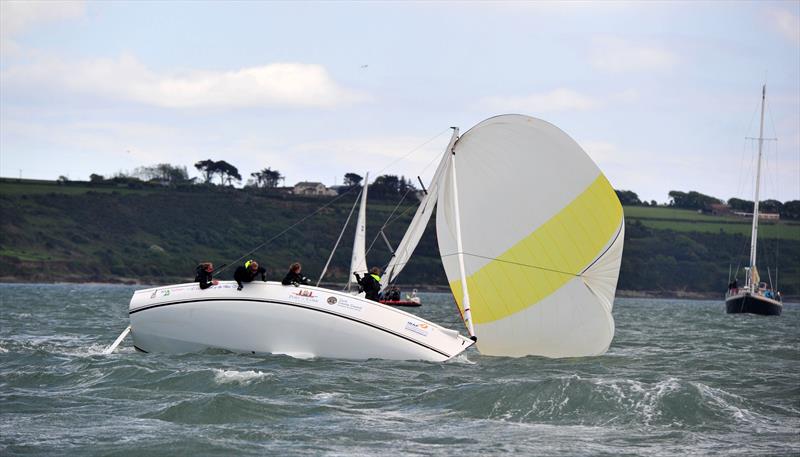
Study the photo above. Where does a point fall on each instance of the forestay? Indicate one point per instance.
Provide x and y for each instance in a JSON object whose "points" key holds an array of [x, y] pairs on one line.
{"points": [[542, 232], [417, 226]]}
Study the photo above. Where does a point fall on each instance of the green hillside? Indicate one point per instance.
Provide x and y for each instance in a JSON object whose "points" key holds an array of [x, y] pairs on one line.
{"points": [[77, 232]]}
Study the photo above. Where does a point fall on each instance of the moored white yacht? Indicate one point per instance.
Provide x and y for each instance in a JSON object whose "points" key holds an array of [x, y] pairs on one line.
{"points": [[755, 297]]}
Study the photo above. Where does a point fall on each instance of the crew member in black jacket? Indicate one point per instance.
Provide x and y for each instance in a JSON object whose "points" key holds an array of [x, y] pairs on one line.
{"points": [[248, 272], [294, 277], [371, 283], [203, 275]]}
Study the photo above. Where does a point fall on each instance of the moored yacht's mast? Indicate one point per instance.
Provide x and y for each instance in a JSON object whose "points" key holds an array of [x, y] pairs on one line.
{"points": [[754, 233]]}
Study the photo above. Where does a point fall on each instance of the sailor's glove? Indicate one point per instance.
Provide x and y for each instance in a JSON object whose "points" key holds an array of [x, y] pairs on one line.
{"points": [[296, 284], [239, 288]]}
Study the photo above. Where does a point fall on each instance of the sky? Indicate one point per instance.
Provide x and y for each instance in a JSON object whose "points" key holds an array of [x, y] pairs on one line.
{"points": [[662, 95]]}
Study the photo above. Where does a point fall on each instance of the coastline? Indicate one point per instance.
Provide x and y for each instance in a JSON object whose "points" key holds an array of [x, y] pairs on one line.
{"points": [[406, 288]]}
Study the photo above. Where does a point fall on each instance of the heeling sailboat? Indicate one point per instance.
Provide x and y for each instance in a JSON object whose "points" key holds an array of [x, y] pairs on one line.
{"points": [[530, 234], [753, 297]]}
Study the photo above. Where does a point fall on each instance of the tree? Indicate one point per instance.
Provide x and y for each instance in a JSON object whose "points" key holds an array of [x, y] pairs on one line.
{"points": [[267, 178], [691, 200], [271, 177], [389, 186], [628, 197], [352, 179], [737, 204], [208, 168], [227, 173], [164, 173], [791, 210], [770, 206], [95, 178]]}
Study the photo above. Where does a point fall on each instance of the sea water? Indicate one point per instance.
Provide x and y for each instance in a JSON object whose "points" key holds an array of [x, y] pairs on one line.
{"points": [[680, 378]]}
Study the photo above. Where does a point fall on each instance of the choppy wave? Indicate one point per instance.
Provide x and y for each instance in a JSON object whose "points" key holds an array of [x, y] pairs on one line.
{"points": [[680, 378], [242, 377]]}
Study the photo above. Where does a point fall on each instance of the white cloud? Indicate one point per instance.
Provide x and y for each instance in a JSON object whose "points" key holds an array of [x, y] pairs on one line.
{"points": [[786, 23], [125, 78], [18, 16], [619, 56], [555, 100]]}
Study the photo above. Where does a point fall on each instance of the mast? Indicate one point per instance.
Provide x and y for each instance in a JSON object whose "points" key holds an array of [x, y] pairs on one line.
{"points": [[459, 247], [754, 233]]}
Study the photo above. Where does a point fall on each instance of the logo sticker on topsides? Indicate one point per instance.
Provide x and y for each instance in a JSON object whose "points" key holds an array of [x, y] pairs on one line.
{"points": [[420, 329]]}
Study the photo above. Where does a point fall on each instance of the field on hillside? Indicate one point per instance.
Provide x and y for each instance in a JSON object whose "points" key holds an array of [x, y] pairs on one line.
{"points": [[684, 220], [77, 232]]}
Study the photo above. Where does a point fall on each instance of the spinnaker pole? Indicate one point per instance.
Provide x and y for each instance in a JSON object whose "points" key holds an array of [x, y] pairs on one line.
{"points": [[459, 246]]}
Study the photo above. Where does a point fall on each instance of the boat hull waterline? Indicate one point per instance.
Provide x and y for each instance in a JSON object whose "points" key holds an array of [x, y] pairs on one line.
{"points": [[752, 304], [406, 303], [267, 317]]}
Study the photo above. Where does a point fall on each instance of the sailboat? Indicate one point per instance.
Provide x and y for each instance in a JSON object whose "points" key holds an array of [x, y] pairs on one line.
{"points": [[530, 234], [755, 297]]}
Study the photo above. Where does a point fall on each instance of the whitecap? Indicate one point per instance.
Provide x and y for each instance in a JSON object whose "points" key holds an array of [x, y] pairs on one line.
{"points": [[462, 358], [3, 350], [718, 397], [326, 396], [241, 377]]}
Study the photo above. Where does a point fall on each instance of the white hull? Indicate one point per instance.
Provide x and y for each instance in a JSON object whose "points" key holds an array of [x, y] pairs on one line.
{"points": [[271, 318]]}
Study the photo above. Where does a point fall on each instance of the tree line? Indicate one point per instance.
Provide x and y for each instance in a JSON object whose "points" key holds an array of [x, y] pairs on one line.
{"points": [[694, 200], [219, 173]]}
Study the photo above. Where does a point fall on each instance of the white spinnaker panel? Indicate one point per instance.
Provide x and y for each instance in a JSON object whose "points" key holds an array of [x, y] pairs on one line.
{"points": [[601, 277], [539, 229], [358, 262], [416, 228]]}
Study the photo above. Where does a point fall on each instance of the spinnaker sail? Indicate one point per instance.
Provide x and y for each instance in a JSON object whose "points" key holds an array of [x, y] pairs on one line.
{"points": [[542, 233]]}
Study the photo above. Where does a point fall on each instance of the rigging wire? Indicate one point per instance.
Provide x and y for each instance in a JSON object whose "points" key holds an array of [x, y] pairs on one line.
{"points": [[284, 231], [512, 263], [344, 227], [315, 212], [740, 181], [389, 219]]}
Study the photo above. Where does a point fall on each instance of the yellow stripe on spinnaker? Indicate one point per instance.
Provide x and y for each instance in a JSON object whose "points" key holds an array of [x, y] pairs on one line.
{"points": [[559, 249]]}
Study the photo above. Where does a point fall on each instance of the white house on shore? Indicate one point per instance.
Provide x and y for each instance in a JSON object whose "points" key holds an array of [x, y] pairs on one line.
{"points": [[312, 189]]}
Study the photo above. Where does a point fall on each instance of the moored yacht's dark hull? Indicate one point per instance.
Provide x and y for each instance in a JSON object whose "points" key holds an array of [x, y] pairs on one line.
{"points": [[753, 304]]}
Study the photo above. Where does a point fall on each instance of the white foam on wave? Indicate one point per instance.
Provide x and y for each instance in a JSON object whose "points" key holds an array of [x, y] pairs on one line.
{"points": [[326, 396], [643, 397], [718, 397], [462, 358], [241, 377], [3, 350]]}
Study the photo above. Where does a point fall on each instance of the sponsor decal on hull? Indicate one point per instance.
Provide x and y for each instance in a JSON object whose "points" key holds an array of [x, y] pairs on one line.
{"points": [[418, 328], [304, 296], [344, 303]]}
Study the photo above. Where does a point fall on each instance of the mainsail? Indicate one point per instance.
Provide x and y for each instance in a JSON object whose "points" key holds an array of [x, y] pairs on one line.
{"points": [[542, 232], [358, 262]]}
